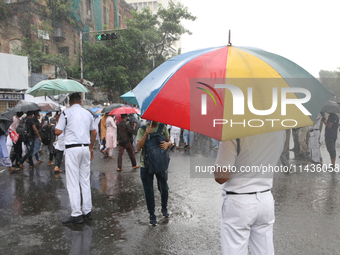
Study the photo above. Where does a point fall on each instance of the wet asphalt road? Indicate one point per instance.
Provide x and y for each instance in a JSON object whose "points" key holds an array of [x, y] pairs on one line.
{"points": [[34, 202]]}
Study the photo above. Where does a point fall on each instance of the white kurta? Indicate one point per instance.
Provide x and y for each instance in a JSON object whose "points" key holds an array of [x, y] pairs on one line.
{"points": [[314, 135]]}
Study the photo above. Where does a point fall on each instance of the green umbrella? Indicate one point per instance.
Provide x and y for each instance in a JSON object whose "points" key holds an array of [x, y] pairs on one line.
{"points": [[130, 98], [56, 87]]}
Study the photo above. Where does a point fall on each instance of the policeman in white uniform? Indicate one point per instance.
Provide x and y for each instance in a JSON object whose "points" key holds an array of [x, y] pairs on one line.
{"points": [[248, 205], [80, 133]]}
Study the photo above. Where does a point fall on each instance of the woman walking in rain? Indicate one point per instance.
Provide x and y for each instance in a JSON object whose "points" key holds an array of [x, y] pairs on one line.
{"points": [[111, 137]]}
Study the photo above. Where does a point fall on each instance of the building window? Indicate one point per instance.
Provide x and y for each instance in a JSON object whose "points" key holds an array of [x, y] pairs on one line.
{"points": [[104, 15], [74, 45], [63, 50], [88, 9], [3, 106], [155, 6], [46, 49], [12, 104], [14, 46]]}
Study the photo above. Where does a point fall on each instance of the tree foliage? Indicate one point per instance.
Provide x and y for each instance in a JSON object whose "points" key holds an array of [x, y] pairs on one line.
{"points": [[35, 49], [331, 80], [146, 43], [3, 10]]}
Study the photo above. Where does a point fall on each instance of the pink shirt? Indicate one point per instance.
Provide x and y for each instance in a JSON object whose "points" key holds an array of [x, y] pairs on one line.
{"points": [[15, 123]]}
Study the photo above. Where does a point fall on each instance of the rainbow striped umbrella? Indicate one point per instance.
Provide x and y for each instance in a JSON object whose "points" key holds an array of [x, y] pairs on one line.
{"points": [[229, 92]]}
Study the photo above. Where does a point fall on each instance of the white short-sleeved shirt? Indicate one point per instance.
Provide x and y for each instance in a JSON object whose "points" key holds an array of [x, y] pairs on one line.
{"points": [[175, 129], [256, 152], [79, 124]]}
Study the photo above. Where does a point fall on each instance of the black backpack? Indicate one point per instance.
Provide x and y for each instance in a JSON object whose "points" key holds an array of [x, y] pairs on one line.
{"points": [[22, 131], [156, 160], [46, 135]]}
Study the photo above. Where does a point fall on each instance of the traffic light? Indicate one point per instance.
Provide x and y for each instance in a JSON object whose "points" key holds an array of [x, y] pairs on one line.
{"points": [[104, 37]]}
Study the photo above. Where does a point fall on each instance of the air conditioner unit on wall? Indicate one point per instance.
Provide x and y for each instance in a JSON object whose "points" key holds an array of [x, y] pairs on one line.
{"points": [[59, 34]]}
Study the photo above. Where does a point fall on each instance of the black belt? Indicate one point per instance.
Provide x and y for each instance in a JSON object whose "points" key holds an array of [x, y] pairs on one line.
{"points": [[313, 130], [250, 193], [75, 145]]}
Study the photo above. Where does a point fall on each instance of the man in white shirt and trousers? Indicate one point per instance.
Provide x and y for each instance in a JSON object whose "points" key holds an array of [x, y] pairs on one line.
{"points": [[247, 215], [77, 124], [314, 135]]}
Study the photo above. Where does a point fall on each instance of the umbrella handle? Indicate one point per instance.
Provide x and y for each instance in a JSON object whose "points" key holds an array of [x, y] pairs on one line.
{"points": [[150, 126]]}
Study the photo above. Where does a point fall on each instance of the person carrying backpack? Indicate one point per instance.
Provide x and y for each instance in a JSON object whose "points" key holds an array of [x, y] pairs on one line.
{"points": [[153, 139], [32, 134]]}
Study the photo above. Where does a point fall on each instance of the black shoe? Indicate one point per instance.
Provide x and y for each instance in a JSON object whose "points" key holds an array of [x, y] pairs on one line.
{"points": [[153, 220], [88, 216], [74, 220], [165, 213]]}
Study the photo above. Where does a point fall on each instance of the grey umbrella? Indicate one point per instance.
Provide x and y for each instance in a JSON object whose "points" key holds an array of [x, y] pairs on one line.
{"points": [[6, 119], [331, 107], [109, 108], [26, 107]]}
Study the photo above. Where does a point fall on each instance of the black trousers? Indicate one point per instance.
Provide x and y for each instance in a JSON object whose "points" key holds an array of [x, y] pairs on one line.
{"points": [[58, 157], [16, 154]]}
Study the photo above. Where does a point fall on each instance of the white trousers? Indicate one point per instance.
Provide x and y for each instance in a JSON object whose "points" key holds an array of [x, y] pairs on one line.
{"points": [[77, 168], [302, 137], [174, 137], [247, 219], [9, 144], [314, 146]]}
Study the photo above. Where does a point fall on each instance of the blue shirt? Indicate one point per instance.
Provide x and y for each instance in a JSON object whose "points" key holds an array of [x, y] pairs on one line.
{"points": [[332, 133]]}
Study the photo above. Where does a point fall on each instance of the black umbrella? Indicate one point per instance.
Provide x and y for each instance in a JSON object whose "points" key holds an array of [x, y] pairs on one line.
{"points": [[6, 119], [331, 106], [26, 107], [109, 108]]}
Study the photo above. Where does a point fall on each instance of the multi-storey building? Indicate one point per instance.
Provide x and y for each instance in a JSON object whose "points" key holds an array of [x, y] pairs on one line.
{"points": [[86, 15], [57, 29], [138, 5]]}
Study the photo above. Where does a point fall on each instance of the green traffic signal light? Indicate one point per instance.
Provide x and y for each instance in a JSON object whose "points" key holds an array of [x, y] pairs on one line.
{"points": [[104, 37]]}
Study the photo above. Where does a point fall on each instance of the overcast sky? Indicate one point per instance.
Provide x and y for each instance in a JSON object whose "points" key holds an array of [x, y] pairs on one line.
{"points": [[306, 32]]}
